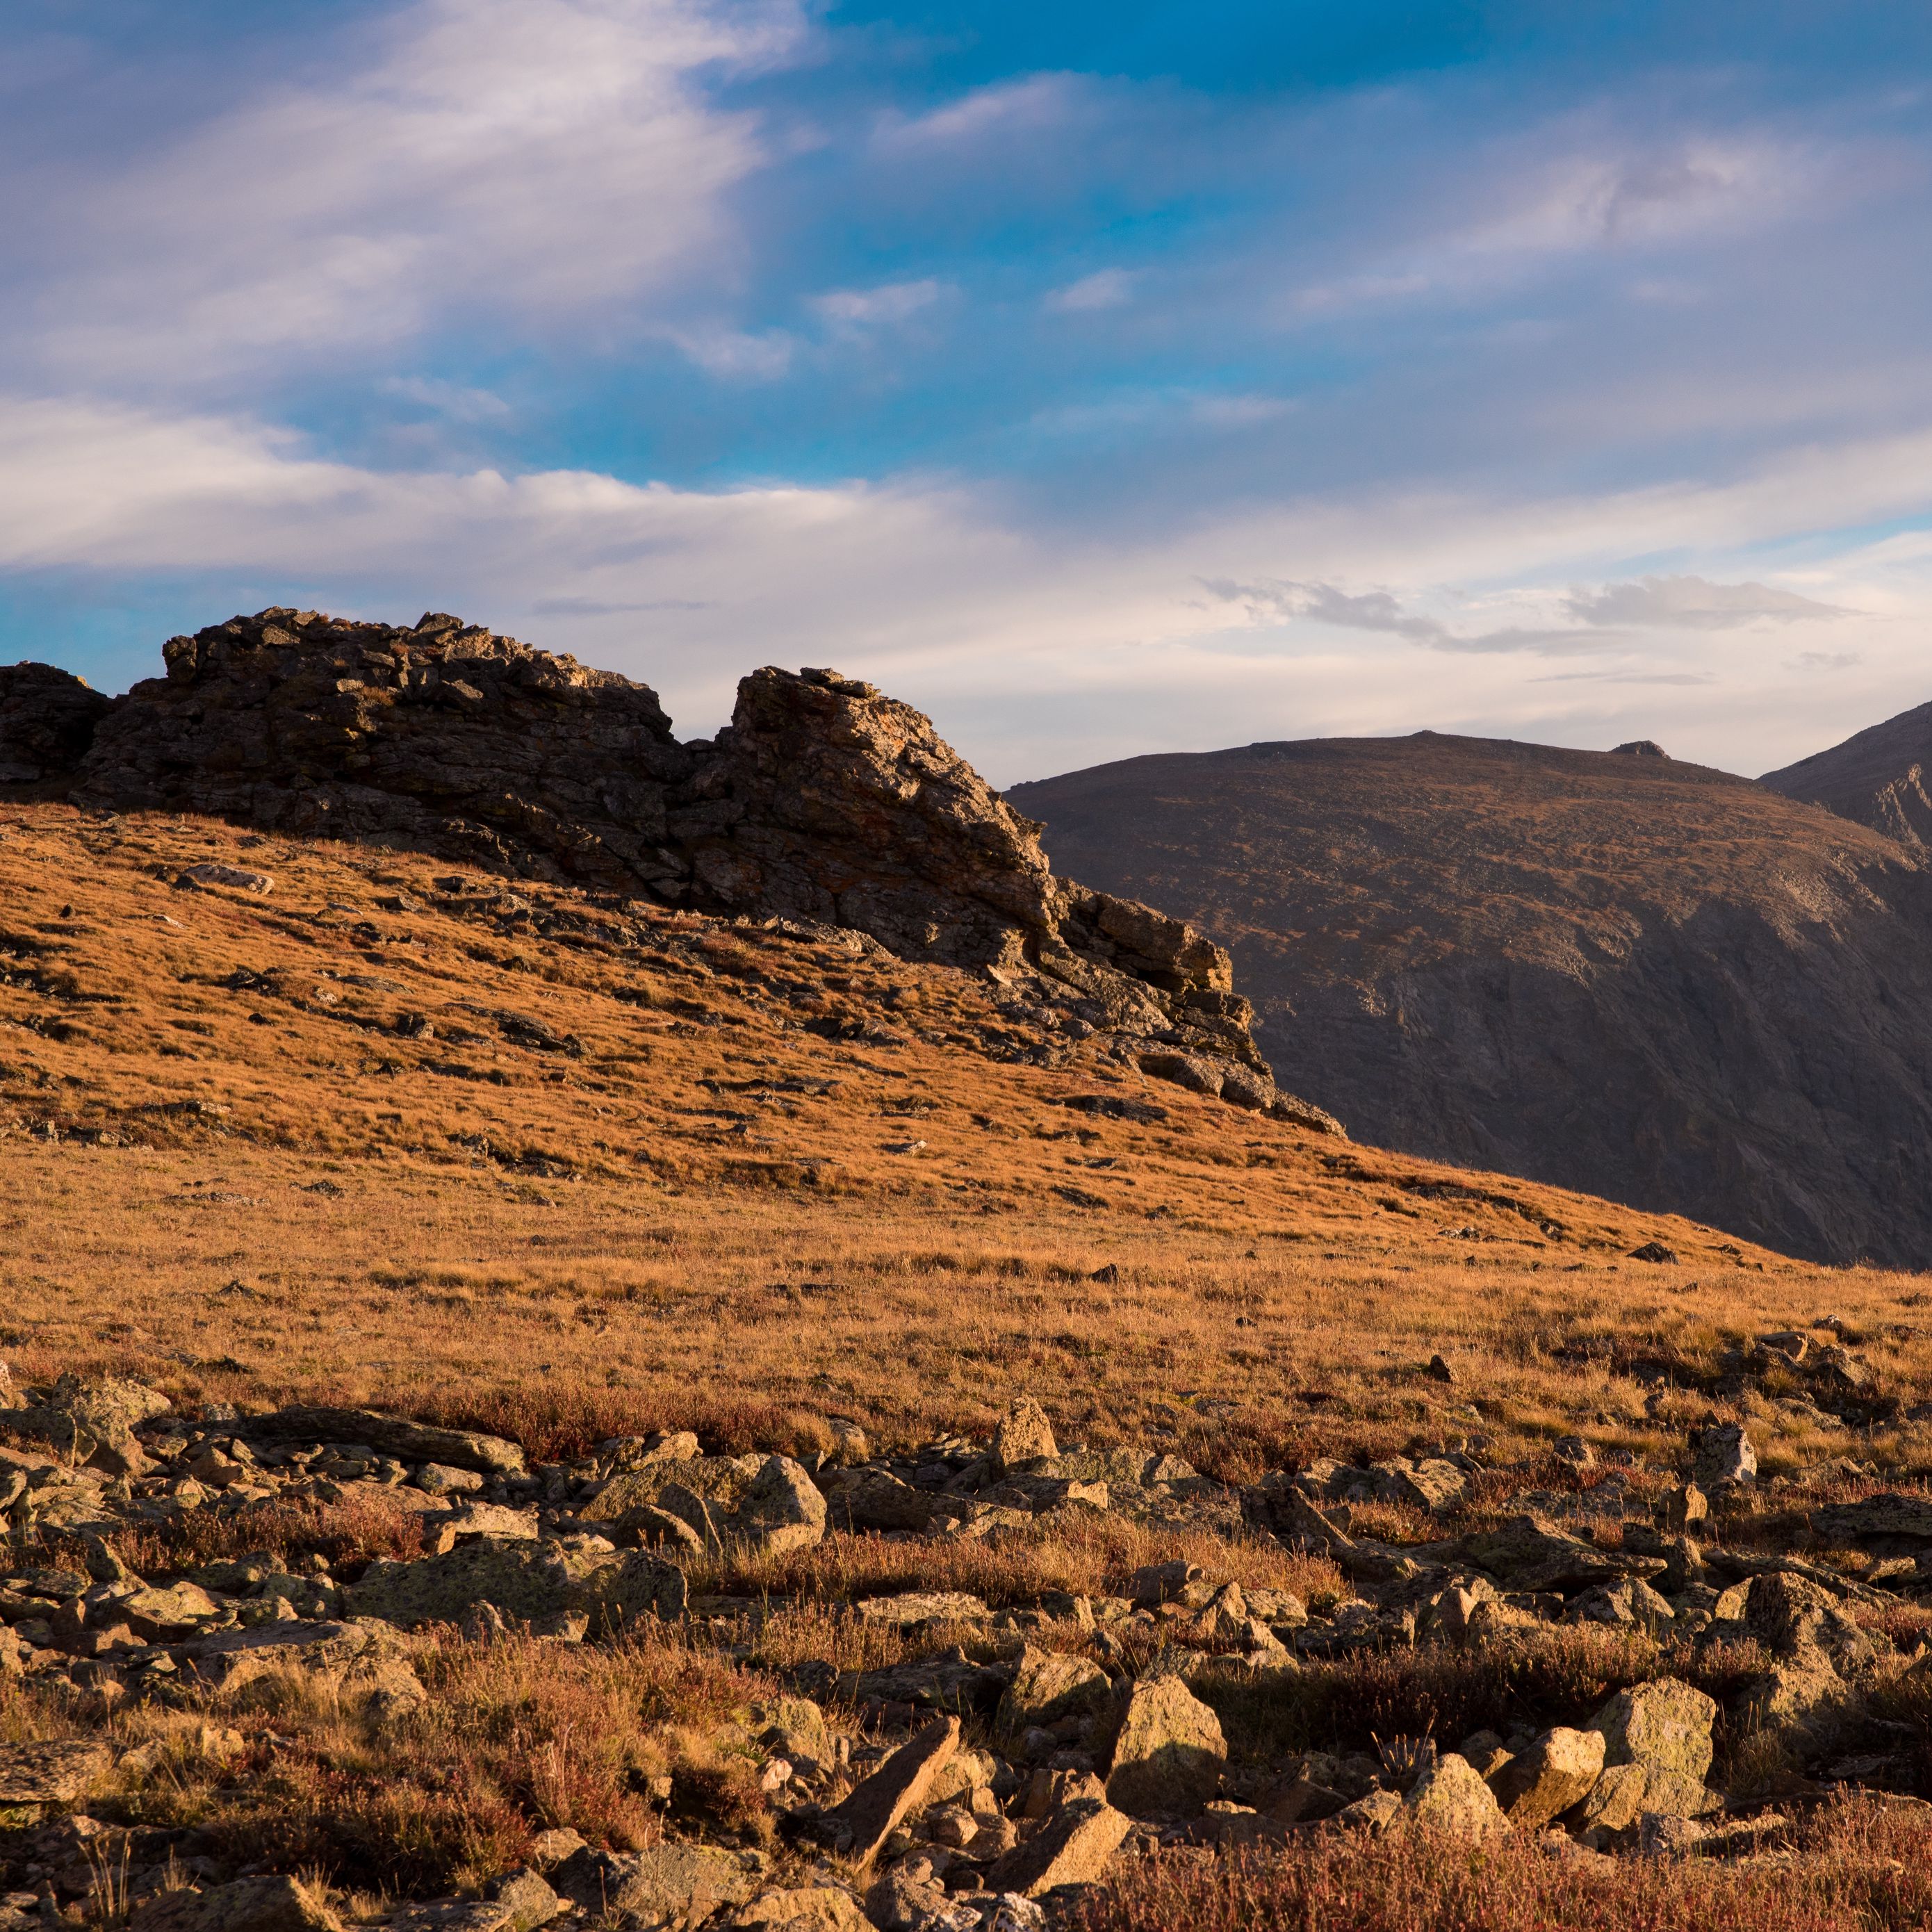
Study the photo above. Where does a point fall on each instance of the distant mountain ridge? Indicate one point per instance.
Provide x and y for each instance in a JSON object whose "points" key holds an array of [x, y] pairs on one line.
{"points": [[1665, 984], [1878, 777]]}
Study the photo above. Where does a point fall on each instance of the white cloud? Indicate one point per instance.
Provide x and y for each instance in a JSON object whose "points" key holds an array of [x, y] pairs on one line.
{"points": [[1103, 645], [1106, 288], [853, 310], [742, 355], [450, 400], [543, 158], [1693, 603], [1038, 103]]}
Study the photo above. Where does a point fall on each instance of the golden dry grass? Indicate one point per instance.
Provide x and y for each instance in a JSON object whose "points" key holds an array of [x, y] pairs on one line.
{"points": [[693, 1211]]}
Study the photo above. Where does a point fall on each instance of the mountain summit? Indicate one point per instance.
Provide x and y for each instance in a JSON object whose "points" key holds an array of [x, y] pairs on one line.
{"points": [[1634, 975]]}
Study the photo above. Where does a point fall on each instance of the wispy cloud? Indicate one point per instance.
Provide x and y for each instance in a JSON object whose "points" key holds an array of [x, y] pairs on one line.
{"points": [[854, 311], [528, 158], [1106, 288], [454, 400], [1378, 610], [1694, 604]]}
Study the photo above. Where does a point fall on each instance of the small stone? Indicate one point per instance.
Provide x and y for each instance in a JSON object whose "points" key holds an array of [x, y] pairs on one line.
{"points": [[1439, 1370]]}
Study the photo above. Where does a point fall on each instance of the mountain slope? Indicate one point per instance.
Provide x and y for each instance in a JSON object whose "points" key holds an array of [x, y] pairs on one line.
{"points": [[1877, 776], [1657, 981]]}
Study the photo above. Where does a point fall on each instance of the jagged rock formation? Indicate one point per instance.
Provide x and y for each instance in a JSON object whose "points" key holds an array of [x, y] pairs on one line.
{"points": [[47, 720], [1878, 777], [823, 801], [1625, 973]]}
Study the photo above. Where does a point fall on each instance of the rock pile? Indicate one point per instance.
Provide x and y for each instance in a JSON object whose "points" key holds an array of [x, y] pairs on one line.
{"points": [[1012, 1756], [823, 802]]}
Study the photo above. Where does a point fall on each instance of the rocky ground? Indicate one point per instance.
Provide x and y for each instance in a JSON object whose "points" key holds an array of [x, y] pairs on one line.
{"points": [[306, 1665]]}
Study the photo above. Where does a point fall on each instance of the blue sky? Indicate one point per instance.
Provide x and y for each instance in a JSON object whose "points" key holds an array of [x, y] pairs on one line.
{"points": [[1102, 379]]}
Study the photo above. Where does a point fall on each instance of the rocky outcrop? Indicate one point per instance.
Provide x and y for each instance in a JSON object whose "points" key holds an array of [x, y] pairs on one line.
{"points": [[47, 721], [823, 801]]}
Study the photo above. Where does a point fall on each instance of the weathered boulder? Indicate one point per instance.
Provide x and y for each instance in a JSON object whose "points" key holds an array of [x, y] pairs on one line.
{"points": [[522, 1580], [48, 718], [1889, 1513], [768, 1503], [1725, 1458], [1789, 1614], [263, 1904], [1666, 1723], [91, 1422], [54, 1773], [1530, 1553], [1024, 1435], [395, 1436], [1450, 1797], [1169, 1753], [817, 1908], [860, 1823], [862, 1499], [1048, 1685], [1072, 1847], [672, 1880], [1549, 1777]]}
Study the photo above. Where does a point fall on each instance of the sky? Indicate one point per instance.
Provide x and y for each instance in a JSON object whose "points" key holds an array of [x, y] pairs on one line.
{"points": [[1101, 379]]}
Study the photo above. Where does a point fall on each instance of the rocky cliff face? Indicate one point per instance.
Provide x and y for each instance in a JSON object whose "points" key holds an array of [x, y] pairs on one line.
{"points": [[47, 720], [1881, 777], [1650, 980], [823, 801]]}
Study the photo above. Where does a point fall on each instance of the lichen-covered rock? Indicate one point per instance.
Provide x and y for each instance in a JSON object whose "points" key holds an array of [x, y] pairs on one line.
{"points": [[1071, 1848], [1529, 1552], [1169, 1754], [522, 1580], [1725, 1458], [1666, 1723], [1451, 1797], [1549, 1777], [1024, 1435], [673, 1880], [267, 1903], [767, 1504], [396, 1436], [1048, 1685]]}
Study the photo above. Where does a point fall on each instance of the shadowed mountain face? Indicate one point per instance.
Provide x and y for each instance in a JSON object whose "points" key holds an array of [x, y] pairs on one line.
{"points": [[1878, 777], [1655, 981]]}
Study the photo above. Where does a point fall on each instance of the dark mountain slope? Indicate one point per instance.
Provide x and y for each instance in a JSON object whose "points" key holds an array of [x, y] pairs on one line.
{"points": [[1877, 777], [1657, 981]]}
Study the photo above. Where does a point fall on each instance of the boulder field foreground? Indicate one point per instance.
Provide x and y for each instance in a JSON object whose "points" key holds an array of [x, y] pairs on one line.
{"points": [[385, 1652]]}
